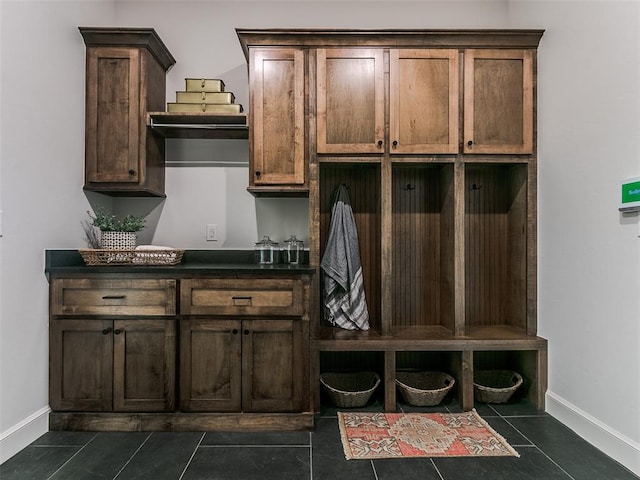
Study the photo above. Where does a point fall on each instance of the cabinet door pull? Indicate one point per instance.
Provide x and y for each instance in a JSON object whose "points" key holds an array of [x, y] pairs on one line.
{"points": [[241, 301], [132, 172], [106, 331], [117, 331], [234, 331], [379, 143], [470, 143], [246, 332], [114, 297], [395, 144], [258, 173]]}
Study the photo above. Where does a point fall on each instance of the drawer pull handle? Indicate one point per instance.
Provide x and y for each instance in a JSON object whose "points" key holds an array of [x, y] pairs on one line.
{"points": [[106, 331], [114, 297], [241, 301]]}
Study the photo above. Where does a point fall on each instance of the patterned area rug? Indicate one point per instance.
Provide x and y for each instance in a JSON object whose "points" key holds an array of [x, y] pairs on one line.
{"points": [[396, 435]]}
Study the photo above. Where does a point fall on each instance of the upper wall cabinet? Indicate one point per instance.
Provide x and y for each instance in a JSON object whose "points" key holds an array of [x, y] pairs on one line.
{"points": [[424, 100], [498, 101], [350, 100], [423, 94], [276, 119], [125, 79]]}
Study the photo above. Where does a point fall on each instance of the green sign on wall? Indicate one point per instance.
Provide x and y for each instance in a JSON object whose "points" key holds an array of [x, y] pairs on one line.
{"points": [[630, 195]]}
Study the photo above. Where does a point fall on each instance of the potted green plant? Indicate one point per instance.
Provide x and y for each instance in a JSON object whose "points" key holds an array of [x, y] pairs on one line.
{"points": [[115, 233]]}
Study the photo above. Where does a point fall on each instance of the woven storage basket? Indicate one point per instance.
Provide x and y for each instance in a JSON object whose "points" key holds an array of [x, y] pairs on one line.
{"points": [[348, 390], [95, 257], [495, 386], [424, 389]]}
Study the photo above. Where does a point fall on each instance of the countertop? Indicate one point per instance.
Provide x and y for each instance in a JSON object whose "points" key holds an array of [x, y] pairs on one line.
{"points": [[194, 262]]}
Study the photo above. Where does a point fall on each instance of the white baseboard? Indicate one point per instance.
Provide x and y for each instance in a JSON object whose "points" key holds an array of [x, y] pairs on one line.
{"points": [[22, 434], [613, 443]]}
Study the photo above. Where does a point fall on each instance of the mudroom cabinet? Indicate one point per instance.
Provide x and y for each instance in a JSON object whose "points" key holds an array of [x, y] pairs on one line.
{"points": [[112, 345], [243, 345], [433, 133], [125, 78], [276, 117]]}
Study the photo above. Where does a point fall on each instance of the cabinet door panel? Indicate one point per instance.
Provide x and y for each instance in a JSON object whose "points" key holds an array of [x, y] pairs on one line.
{"points": [[210, 365], [277, 116], [271, 366], [424, 101], [350, 90], [113, 102], [144, 365], [498, 109], [81, 365]]}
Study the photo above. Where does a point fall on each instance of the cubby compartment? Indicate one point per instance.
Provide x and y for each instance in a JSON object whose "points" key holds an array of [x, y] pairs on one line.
{"points": [[496, 231], [354, 361], [422, 237], [363, 183], [530, 364], [431, 361]]}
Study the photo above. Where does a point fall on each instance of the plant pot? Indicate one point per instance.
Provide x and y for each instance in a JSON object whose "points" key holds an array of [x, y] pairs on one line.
{"points": [[118, 240]]}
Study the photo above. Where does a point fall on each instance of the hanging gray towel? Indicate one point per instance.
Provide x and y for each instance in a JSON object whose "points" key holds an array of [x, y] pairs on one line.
{"points": [[344, 298]]}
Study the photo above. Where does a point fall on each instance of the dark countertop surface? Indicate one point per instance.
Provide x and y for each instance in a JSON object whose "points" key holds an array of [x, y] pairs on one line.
{"points": [[194, 262]]}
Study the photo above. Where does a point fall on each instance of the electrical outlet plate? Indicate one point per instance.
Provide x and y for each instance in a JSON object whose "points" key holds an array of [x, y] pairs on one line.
{"points": [[212, 232]]}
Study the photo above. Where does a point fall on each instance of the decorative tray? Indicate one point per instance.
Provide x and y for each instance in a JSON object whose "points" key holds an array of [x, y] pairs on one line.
{"points": [[139, 256]]}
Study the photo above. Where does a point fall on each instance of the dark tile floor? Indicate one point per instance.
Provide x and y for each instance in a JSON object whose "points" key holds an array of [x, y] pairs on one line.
{"points": [[548, 450]]}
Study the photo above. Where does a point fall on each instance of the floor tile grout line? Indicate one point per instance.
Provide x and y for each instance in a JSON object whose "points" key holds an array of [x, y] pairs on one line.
{"points": [[310, 455], [131, 456], [284, 445], [193, 454], [375, 473], [73, 456], [436, 468], [540, 449]]}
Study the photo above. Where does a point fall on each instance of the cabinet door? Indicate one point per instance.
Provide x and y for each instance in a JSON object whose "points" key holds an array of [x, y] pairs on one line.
{"points": [[144, 365], [277, 116], [350, 101], [81, 365], [498, 101], [271, 366], [423, 86], [112, 115], [210, 365]]}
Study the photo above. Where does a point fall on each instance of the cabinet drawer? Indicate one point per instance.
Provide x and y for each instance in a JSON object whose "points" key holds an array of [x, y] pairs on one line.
{"points": [[113, 297], [241, 297]]}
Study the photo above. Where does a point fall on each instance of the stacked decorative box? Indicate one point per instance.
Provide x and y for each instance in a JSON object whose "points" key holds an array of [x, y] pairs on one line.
{"points": [[204, 95]]}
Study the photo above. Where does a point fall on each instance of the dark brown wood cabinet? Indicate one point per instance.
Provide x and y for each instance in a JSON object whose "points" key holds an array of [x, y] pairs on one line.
{"points": [[242, 345], [276, 118], [241, 365], [125, 79], [498, 101], [112, 365], [433, 132], [112, 345], [237, 351]]}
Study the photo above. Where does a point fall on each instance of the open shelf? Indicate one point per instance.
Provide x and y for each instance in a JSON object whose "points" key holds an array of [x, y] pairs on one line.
{"points": [[423, 247], [198, 125]]}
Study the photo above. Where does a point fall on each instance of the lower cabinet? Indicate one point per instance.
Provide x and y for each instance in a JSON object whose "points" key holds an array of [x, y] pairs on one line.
{"points": [[241, 365], [230, 353], [123, 365]]}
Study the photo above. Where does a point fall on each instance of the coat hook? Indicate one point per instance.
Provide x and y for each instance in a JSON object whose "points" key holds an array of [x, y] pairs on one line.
{"points": [[408, 186], [475, 186]]}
